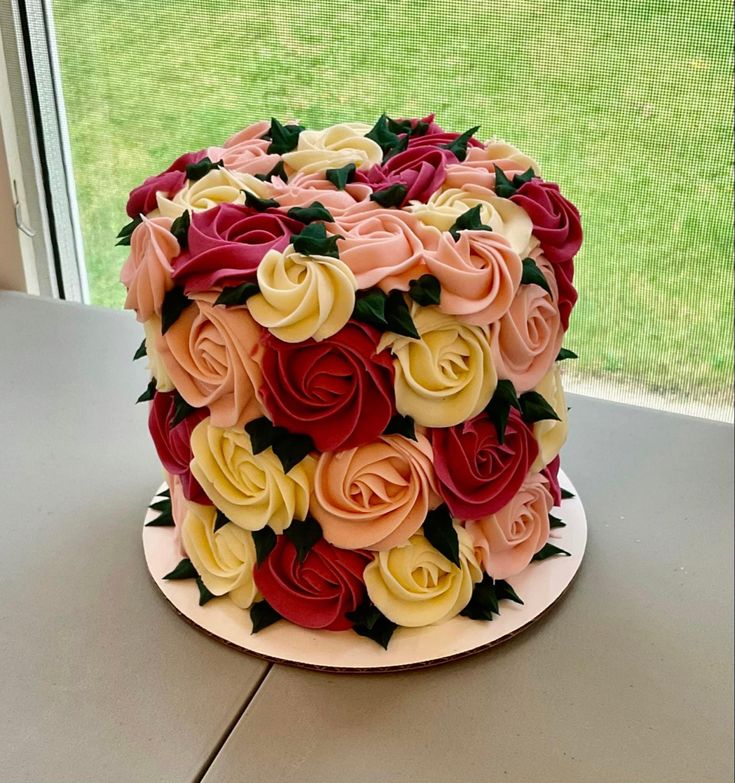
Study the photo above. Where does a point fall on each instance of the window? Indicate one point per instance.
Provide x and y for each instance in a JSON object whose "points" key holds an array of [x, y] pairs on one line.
{"points": [[627, 105]]}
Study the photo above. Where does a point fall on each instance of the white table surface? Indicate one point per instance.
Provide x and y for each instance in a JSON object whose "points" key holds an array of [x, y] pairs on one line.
{"points": [[627, 680]]}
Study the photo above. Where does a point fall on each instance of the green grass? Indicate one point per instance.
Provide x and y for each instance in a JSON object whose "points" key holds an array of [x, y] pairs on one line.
{"points": [[627, 105]]}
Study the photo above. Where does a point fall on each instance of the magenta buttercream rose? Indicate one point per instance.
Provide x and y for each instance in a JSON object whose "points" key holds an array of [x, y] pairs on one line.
{"points": [[421, 170], [173, 444], [557, 226], [477, 474], [227, 243], [143, 198], [551, 474], [339, 390]]}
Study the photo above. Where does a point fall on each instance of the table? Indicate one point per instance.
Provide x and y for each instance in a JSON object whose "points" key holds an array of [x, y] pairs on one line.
{"points": [[627, 680]]}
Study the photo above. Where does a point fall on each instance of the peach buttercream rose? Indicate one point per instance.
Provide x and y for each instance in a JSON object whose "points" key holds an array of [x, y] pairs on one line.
{"points": [[147, 272], [448, 375], [332, 148], [211, 355], [374, 496], [302, 296], [503, 216], [304, 189], [478, 168], [383, 247], [246, 151], [479, 275], [549, 433], [156, 365], [224, 558], [506, 541], [251, 490], [526, 340], [219, 186], [415, 585]]}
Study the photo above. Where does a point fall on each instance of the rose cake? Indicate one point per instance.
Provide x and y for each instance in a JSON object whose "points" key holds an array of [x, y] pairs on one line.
{"points": [[354, 337]]}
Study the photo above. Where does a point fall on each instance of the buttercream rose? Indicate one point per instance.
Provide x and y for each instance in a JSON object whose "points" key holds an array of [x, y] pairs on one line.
{"points": [[551, 474], [219, 186], [156, 366], [143, 199], [438, 138], [224, 558], [304, 189], [211, 355], [477, 474], [377, 495], [173, 444], [506, 541], [339, 391], [549, 433], [179, 507], [478, 168], [318, 592], [246, 151], [526, 340], [479, 275], [227, 243], [250, 489], [503, 217], [383, 247], [415, 585], [445, 377], [421, 170], [333, 148], [302, 296], [147, 272], [556, 224]]}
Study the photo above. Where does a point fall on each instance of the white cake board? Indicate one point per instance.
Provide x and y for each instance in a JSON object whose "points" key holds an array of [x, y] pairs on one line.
{"points": [[540, 586]]}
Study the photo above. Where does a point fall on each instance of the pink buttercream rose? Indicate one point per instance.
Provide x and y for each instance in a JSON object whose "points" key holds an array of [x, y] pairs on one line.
{"points": [[143, 198], [506, 541], [375, 496], [227, 243], [246, 151], [557, 226], [420, 169], [479, 275], [478, 168], [526, 340], [147, 272], [302, 190], [383, 247], [477, 474], [211, 355]]}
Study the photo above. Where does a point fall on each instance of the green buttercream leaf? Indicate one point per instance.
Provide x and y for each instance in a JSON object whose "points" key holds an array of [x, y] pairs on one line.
{"points": [[303, 535], [398, 316], [164, 519], [391, 196], [148, 393], [440, 532], [261, 432], [283, 138], [175, 302], [261, 204], [315, 211], [184, 570], [126, 231], [566, 494], [204, 595], [555, 522], [233, 296], [532, 275], [180, 229], [469, 221], [195, 171], [265, 540], [401, 425], [425, 291], [370, 308], [220, 520], [141, 352], [565, 353], [279, 170], [182, 409], [459, 145], [262, 614], [549, 550], [314, 241], [340, 177], [504, 591], [498, 409], [370, 622], [483, 603], [535, 408], [390, 142], [290, 448]]}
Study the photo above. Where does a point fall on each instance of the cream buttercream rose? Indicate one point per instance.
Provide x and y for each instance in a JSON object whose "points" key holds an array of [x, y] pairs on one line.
{"points": [[503, 216], [156, 365], [375, 496], [415, 585], [551, 434], [301, 296], [333, 148], [251, 490], [445, 377]]}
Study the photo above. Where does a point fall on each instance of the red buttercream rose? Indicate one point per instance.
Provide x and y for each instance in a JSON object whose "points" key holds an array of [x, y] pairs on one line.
{"points": [[339, 390], [173, 444], [477, 474], [143, 198], [226, 244], [557, 226], [320, 591], [421, 170], [551, 474]]}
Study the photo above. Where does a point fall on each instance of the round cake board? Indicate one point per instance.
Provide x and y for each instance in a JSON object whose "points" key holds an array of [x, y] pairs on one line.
{"points": [[540, 586]]}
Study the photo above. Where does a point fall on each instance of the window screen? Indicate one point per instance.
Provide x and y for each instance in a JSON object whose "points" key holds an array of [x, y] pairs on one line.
{"points": [[628, 105]]}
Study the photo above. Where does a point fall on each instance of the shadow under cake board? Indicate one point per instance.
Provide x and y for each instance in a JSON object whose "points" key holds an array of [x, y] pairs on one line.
{"points": [[541, 585]]}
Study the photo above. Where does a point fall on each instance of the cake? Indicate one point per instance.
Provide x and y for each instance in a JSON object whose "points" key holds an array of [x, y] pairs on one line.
{"points": [[355, 337]]}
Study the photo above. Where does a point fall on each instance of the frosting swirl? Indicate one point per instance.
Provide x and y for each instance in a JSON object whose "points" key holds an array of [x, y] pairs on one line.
{"points": [[479, 275], [224, 559], [374, 496], [478, 168], [304, 189], [415, 585], [302, 296], [156, 365], [448, 375], [250, 489], [549, 433], [332, 148]]}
